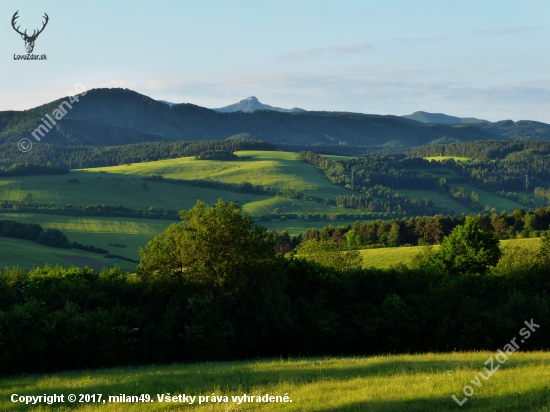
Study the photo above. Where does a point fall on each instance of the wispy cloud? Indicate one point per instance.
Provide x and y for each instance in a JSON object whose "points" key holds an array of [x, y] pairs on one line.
{"points": [[324, 51], [505, 30], [161, 84], [436, 37], [349, 48]]}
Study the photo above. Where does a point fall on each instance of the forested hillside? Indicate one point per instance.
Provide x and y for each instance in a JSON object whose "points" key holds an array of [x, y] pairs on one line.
{"points": [[121, 116]]}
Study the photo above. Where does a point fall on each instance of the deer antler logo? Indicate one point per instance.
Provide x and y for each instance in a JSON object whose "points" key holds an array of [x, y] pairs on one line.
{"points": [[29, 40]]}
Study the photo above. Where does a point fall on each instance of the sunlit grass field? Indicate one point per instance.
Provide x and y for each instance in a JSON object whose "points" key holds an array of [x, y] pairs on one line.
{"points": [[269, 204], [124, 185], [383, 258], [113, 189], [381, 383], [277, 170]]}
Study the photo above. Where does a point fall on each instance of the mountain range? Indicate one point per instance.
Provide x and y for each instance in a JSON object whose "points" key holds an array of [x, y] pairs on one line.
{"points": [[122, 116]]}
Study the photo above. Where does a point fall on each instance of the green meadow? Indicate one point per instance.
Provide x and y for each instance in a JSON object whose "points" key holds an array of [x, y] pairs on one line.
{"points": [[442, 158], [113, 189], [269, 204], [383, 258], [124, 185], [30, 255], [421, 383], [98, 231], [277, 170]]}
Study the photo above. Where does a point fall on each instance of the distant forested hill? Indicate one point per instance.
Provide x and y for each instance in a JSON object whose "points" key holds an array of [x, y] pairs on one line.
{"points": [[110, 117], [425, 117]]}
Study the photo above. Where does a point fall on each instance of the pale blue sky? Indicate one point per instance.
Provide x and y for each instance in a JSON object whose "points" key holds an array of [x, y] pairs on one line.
{"points": [[484, 58]]}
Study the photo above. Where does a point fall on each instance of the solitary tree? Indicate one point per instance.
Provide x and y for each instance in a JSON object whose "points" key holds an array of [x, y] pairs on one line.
{"points": [[213, 248], [468, 249]]}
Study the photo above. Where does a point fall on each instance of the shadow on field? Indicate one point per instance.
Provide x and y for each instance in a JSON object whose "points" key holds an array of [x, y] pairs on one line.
{"points": [[294, 370], [236, 378], [532, 401]]}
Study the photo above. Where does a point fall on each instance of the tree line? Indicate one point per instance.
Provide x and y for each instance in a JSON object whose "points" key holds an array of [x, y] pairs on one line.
{"points": [[99, 156], [86, 210], [33, 232], [420, 230], [482, 149], [24, 169], [371, 170]]}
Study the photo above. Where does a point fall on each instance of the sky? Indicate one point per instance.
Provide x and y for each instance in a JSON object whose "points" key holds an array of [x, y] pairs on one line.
{"points": [[486, 59]]}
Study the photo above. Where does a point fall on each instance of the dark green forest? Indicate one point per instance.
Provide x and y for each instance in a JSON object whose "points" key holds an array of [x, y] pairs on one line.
{"points": [[399, 172], [97, 156]]}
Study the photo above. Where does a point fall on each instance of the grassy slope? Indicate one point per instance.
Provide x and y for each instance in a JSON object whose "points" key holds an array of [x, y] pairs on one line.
{"points": [[386, 257], [113, 189], [267, 206], [99, 231], [123, 185], [277, 170], [381, 383], [28, 255]]}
